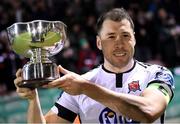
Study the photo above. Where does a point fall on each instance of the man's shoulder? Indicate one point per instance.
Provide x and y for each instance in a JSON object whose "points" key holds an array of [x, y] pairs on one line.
{"points": [[159, 73], [90, 75], [152, 67]]}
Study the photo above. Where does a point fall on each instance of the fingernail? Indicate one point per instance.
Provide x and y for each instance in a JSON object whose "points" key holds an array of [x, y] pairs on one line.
{"points": [[44, 86]]}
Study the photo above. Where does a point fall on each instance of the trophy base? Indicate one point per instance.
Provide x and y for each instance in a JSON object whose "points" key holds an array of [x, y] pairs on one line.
{"points": [[36, 83], [37, 74]]}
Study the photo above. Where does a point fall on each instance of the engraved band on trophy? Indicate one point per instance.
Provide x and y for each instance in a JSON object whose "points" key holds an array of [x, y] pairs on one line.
{"points": [[37, 40]]}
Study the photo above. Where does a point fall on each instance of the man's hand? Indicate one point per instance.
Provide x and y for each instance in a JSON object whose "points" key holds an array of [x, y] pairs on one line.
{"points": [[70, 82], [23, 92]]}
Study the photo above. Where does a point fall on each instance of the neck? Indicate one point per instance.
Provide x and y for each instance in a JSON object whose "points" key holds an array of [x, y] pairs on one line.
{"points": [[115, 69]]}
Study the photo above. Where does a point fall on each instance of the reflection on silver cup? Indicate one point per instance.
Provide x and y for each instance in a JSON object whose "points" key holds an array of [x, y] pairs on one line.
{"points": [[37, 40]]}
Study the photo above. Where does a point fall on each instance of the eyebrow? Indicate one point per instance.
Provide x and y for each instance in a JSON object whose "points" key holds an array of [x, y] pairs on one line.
{"points": [[125, 32], [111, 33]]}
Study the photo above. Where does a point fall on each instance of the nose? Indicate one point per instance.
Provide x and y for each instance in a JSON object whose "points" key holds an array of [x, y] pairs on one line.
{"points": [[118, 41]]}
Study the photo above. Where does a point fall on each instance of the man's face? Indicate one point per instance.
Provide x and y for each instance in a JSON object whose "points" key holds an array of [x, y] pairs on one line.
{"points": [[116, 40]]}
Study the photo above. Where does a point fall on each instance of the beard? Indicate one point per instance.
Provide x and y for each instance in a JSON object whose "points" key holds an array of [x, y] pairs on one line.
{"points": [[118, 62]]}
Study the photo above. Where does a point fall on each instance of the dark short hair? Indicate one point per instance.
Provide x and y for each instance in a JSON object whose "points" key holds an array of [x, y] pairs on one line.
{"points": [[116, 14]]}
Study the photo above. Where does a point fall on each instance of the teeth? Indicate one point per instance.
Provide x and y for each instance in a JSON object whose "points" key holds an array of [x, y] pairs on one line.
{"points": [[119, 54]]}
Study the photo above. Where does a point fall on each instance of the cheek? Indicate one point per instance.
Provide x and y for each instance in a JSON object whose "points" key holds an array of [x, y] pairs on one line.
{"points": [[132, 44], [132, 49], [134, 41], [106, 48]]}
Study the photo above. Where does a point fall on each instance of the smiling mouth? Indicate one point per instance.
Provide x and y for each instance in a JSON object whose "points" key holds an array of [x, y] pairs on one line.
{"points": [[119, 54]]}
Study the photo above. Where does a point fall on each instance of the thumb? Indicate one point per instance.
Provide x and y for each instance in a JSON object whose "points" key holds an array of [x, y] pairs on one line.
{"points": [[63, 70], [19, 73]]}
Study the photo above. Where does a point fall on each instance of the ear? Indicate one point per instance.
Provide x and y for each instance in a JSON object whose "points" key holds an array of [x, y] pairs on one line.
{"points": [[98, 43], [134, 39]]}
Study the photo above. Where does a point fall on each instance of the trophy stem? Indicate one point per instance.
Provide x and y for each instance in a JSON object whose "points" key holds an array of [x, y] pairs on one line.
{"points": [[40, 55]]}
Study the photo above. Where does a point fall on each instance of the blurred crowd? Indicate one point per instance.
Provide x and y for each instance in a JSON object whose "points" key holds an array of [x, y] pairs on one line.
{"points": [[157, 31]]}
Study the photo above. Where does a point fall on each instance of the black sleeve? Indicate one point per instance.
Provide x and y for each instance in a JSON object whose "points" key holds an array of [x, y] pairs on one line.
{"points": [[65, 113]]}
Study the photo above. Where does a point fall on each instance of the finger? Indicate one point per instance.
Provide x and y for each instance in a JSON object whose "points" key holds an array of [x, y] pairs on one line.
{"points": [[62, 81], [63, 70], [56, 83], [45, 86], [19, 73], [17, 81], [50, 85], [27, 94], [23, 90], [30, 97]]}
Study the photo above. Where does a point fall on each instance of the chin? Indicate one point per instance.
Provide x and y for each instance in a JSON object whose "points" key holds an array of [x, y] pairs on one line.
{"points": [[121, 64]]}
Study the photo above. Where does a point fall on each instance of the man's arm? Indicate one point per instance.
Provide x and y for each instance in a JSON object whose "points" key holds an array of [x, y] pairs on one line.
{"points": [[51, 117], [145, 108], [34, 114]]}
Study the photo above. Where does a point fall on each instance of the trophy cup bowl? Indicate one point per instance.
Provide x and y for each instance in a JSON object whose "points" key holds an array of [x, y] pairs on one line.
{"points": [[37, 40]]}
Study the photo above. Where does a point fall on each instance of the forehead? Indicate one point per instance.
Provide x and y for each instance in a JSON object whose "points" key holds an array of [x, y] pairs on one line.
{"points": [[114, 26]]}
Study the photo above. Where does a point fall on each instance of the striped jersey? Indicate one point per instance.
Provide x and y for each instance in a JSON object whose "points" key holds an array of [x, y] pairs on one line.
{"points": [[133, 81]]}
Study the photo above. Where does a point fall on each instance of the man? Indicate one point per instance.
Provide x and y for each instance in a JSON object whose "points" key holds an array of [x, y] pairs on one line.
{"points": [[121, 90]]}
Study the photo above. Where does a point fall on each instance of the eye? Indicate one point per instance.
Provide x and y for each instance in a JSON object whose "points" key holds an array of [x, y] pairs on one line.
{"points": [[111, 37], [126, 35]]}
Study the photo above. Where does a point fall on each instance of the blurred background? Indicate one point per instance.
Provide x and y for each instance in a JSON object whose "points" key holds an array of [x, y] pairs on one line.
{"points": [[157, 27]]}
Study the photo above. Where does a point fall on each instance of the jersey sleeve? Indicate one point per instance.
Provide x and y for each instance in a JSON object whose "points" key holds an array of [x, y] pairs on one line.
{"points": [[66, 107], [162, 79], [162, 74], [91, 75]]}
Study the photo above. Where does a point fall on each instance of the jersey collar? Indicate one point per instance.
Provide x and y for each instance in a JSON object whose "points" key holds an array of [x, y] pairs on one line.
{"points": [[121, 72]]}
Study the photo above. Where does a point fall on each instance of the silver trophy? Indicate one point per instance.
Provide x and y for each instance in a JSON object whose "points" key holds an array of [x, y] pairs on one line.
{"points": [[37, 40]]}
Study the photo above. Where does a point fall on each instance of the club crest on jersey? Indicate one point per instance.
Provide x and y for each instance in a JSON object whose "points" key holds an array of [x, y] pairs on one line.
{"points": [[134, 86]]}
